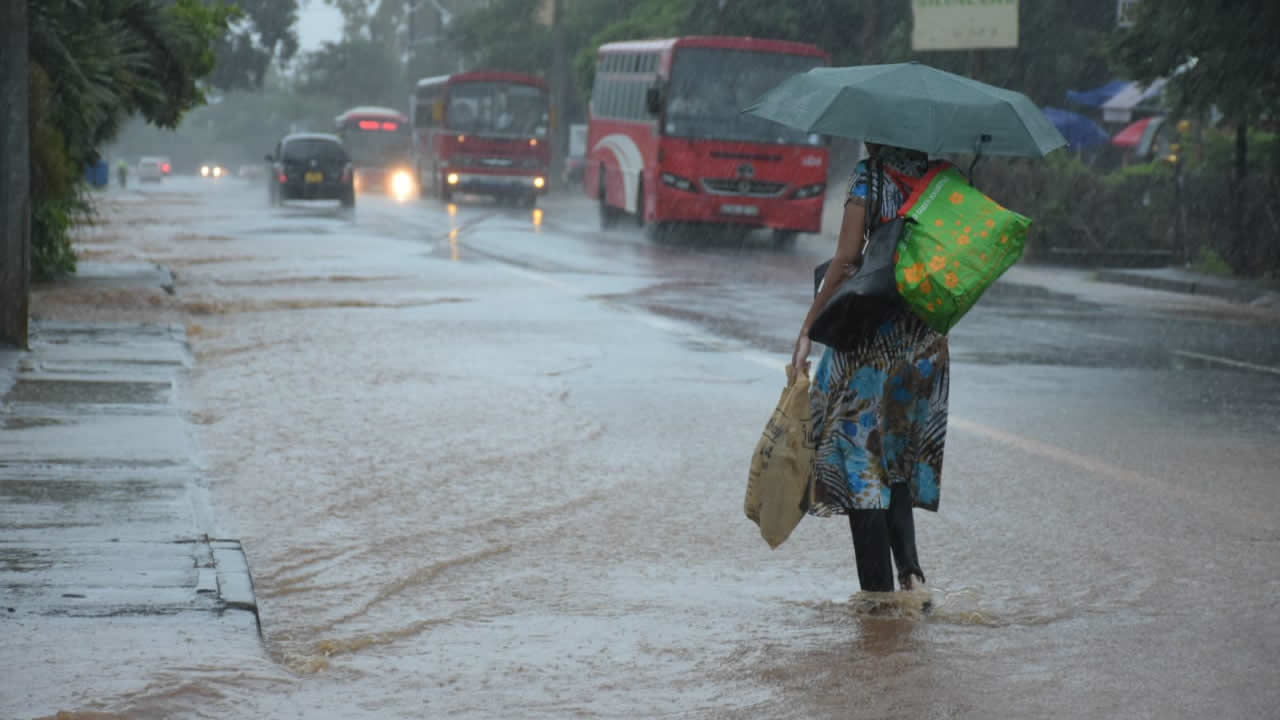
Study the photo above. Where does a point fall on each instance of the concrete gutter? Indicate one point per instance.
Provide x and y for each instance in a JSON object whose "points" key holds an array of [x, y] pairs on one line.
{"points": [[1191, 283]]}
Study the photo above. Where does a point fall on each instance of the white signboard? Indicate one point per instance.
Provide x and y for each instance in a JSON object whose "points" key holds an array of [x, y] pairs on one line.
{"points": [[964, 24]]}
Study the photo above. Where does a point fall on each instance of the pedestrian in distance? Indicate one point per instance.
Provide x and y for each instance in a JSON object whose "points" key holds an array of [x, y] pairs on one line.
{"points": [[880, 408], [122, 173]]}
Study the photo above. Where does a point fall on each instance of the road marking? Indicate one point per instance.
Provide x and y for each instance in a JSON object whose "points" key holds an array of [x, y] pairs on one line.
{"points": [[1187, 353], [1102, 468], [1227, 361]]}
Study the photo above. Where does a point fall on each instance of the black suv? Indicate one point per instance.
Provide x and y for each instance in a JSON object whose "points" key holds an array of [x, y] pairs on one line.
{"points": [[311, 166]]}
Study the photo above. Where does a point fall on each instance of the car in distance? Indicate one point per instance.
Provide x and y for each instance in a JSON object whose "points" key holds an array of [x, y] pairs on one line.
{"points": [[311, 166], [150, 169], [212, 170]]}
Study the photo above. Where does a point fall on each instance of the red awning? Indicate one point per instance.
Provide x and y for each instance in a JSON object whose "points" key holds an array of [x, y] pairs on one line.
{"points": [[1131, 136]]}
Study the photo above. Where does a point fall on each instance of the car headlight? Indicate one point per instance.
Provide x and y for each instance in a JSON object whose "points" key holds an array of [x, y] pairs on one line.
{"points": [[678, 182], [809, 191], [204, 171], [401, 184], [217, 171]]}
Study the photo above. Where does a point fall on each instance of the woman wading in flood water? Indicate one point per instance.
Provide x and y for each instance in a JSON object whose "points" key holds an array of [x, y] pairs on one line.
{"points": [[879, 409]]}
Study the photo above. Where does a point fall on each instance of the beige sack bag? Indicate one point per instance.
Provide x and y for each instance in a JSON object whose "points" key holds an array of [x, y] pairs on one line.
{"points": [[780, 484]]}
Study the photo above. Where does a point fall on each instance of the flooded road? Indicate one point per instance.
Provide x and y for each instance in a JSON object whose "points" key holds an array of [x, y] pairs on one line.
{"points": [[489, 462]]}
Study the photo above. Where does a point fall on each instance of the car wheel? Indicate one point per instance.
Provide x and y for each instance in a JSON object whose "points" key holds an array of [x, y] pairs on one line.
{"points": [[349, 198], [783, 239]]}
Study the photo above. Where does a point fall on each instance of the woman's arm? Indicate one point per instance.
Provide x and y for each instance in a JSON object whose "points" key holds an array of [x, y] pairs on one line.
{"points": [[849, 249]]}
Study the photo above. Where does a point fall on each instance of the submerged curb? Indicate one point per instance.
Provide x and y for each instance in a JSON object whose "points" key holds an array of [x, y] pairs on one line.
{"points": [[1190, 285]]}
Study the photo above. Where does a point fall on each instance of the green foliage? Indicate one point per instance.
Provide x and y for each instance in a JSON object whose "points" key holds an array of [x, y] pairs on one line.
{"points": [[1233, 46], [266, 32], [93, 64], [358, 71], [1141, 207], [1210, 262]]}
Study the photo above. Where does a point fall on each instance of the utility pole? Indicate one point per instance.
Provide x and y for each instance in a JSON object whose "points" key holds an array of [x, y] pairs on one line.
{"points": [[559, 90], [15, 176], [412, 41]]}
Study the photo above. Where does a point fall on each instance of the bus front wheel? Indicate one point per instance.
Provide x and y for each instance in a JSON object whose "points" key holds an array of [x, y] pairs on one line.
{"points": [[607, 215], [640, 202]]}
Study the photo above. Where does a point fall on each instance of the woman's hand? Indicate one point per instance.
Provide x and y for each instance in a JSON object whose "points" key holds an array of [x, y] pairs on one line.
{"points": [[800, 356]]}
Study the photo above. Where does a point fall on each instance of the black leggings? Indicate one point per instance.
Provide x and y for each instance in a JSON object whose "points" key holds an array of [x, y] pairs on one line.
{"points": [[875, 532]]}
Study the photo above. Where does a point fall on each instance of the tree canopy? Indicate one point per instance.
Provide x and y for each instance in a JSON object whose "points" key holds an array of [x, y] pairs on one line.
{"points": [[1225, 52], [265, 33], [94, 63]]}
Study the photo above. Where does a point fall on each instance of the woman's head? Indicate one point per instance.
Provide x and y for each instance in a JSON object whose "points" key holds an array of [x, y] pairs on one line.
{"points": [[892, 152]]}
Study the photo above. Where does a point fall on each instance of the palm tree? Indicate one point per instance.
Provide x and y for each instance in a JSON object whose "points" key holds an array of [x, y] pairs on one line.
{"points": [[93, 64]]}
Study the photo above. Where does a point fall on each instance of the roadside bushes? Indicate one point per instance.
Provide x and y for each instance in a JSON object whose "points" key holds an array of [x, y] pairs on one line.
{"points": [[1082, 211]]}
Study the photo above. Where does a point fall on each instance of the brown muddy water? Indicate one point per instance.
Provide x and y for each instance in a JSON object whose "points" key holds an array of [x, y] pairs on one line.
{"points": [[470, 491]]}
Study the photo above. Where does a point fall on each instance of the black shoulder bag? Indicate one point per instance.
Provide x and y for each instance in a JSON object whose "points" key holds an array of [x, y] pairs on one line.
{"points": [[867, 296]]}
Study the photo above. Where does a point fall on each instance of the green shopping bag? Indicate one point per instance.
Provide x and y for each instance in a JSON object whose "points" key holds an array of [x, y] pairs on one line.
{"points": [[959, 243]]}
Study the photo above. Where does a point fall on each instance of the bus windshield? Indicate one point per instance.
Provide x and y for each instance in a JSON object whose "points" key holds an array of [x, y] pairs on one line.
{"points": [[377, 147], [498, 108], [710, 87]]}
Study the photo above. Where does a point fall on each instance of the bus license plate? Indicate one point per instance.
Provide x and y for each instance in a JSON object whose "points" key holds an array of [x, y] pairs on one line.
{"points": [[314, 177], [747, 210]]}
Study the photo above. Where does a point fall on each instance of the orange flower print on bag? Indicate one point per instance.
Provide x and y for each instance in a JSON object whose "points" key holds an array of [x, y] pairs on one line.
{"points": [[914, 273]]}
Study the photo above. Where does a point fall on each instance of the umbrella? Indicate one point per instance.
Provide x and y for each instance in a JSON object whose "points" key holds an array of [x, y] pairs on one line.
{"points": [[1080, 131], [1121, 105], [1139, 134], [1098, 95], [913, 106]]}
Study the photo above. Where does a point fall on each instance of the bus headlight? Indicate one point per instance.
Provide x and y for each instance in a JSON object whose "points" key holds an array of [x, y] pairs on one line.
{"points": [[452, 179], [539, 182], [401, 185], [809, 191], [678, 182]]}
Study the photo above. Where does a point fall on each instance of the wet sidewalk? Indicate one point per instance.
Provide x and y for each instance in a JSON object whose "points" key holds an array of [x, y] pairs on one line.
{"points": [[107, 547]]}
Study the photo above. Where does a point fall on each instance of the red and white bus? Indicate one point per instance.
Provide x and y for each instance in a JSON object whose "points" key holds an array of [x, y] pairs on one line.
{"points": [[668, 142], [378, 141], [482, 132]]}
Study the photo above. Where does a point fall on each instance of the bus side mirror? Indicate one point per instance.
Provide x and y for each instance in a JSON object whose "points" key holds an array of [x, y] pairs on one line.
{"points": [[653, 100], [437, 113]]}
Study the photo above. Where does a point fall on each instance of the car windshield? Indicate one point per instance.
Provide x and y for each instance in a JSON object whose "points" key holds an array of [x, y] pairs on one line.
{"points": [[498, 108], [327, 150], [711, 86], [375, 148]]}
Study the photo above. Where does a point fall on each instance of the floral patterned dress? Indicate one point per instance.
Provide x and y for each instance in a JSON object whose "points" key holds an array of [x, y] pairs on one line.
{"points": [[880, 409]]}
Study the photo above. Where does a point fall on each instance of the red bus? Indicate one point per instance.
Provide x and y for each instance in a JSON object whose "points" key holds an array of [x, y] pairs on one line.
{"points": [[482, 132], [667, 141], [378, 140]]}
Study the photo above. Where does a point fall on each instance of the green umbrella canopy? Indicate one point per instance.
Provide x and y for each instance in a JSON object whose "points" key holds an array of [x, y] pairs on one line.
{"points": [[913, 106]]}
